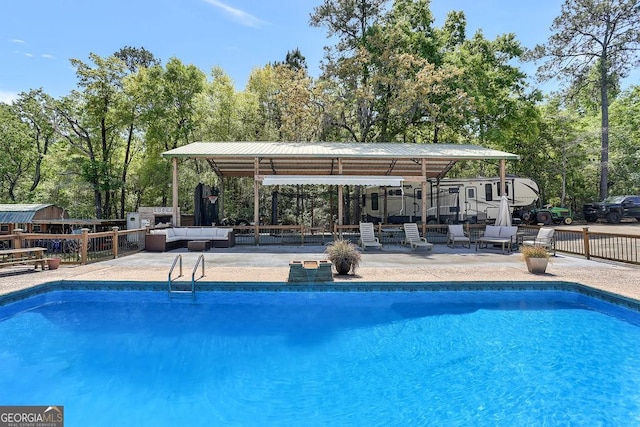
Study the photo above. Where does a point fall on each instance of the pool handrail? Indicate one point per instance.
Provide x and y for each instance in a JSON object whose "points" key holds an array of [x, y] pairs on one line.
{"points": [[193, 274], [175, 260]]}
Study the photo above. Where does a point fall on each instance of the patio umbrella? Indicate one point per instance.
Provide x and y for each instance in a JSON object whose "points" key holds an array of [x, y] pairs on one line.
{"points": [[504, 215]]}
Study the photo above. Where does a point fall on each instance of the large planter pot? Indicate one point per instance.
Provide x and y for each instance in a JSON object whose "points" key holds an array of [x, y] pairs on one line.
{"points": [[343, 267], [537, 265], [53, 263]]}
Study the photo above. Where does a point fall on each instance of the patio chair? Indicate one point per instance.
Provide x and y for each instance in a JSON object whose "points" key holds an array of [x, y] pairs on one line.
{"points": [[368, 236], [412, 237], [544, 238], [456, 234]]}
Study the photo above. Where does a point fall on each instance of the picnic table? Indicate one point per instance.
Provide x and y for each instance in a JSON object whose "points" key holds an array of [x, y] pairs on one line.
{"points": [[23, 256]]}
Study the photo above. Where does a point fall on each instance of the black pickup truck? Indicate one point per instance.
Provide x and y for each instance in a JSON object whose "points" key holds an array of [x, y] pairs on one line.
{"points": [[613, 209]]}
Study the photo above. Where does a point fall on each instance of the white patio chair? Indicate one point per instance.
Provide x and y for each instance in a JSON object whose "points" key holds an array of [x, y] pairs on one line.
{"points": [[456, 234], [412, 237], [544, 238], [368, 236]]}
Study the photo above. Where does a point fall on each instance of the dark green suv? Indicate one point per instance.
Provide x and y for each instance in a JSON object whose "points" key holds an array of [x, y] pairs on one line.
{"points": [[613, 209]]}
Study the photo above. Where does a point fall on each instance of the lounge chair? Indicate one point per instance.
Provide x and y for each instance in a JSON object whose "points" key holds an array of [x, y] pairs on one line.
{"points": [[456, 234], [544, 238], [412, 237], [368, 236]]}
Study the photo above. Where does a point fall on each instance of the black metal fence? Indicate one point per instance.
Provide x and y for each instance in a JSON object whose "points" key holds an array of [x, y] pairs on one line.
{"points": [[610, 246]]}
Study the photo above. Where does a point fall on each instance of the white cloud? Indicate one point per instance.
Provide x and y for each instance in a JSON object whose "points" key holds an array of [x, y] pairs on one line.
{"points": [[48, 56], [18, 41], [238, 15], [30, 55], [8, 97]]}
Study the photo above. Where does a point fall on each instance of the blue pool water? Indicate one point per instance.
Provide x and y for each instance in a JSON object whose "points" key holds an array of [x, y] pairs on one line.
{"points": [[308, 359]]}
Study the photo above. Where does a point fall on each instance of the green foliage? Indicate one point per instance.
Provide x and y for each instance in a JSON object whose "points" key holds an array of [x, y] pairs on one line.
{"points": [[17, 155], [391, 75], [593, 40], [343, 251], [625, 152], [528, 251]]}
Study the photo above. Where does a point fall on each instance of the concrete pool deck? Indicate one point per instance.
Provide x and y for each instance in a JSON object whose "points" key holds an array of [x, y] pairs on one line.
{"points": [[394, 263]]}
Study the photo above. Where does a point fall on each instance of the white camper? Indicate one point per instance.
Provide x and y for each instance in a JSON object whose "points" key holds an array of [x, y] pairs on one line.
{"points": [[450, 200]]}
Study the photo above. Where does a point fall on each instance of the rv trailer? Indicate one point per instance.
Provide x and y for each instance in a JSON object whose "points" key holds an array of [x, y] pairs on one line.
{"points": [[471, 200]]}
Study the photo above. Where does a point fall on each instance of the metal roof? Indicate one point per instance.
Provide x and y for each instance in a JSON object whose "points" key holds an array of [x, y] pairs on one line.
{"points": [[19, 213], [323, 158]]}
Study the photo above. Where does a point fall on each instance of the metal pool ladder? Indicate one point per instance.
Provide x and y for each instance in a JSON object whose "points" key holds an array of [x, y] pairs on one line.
{"points": [[173, 288]]}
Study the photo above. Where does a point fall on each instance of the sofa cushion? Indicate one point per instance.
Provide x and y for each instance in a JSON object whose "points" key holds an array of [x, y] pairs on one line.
{"points": [[222, 232], [208, 233], [492, 231], [179, 231], [194, 233], [508, 231]]}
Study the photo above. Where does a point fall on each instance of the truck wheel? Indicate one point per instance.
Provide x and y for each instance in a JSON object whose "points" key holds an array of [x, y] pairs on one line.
{"points": [[543, 217], [613, 217], [567, 220]]}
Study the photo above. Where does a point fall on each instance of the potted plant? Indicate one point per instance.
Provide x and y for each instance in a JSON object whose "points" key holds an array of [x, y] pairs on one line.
{"points": [[344, 255], [536, 257], [53, 263]]}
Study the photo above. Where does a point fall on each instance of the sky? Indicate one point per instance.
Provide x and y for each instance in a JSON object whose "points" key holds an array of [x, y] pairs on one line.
{"points": [[39, 37]]}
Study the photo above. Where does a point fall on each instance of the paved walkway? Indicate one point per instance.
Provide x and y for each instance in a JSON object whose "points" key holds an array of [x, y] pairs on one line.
{"points": [[392, 264]]}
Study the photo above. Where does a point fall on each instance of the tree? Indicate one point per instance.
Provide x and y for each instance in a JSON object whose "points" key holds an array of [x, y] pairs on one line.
{"points": [[91, 126], [135, 59], [593, 33], [170, 96], [35, 108], [384, 79], [347, 70], [17, 153], [625, 155]]}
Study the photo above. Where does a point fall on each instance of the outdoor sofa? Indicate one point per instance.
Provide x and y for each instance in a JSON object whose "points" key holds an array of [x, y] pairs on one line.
{"points": [[498, 235], [166, 239]]}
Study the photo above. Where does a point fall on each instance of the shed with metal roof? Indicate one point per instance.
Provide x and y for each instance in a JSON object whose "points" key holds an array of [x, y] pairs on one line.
{"points": [[18, 215]]}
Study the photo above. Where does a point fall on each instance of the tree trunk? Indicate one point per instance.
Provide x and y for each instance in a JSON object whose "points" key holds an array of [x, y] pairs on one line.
{"points": [[125, 169], [97, 201]]}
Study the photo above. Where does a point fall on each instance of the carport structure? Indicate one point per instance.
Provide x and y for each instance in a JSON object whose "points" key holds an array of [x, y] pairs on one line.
{"points": [[333, 163]]}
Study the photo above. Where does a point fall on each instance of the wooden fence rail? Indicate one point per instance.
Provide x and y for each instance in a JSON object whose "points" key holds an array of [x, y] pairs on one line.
{"points": [[82, 247], [88, 247]]}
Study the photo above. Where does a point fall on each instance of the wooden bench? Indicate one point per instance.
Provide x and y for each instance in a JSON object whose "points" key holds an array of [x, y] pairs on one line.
{"points": [[24, 256]]}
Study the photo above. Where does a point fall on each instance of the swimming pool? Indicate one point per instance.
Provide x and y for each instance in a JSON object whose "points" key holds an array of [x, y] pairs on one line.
{"points": [[323, 358]]}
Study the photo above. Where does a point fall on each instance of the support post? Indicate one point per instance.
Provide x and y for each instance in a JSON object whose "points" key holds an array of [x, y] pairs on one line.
{"points": [[221, 200], [174, 193], [256, 200], [84, 246], [114, 241], [585, 238], [17, 240], [503, 176], [424, 198], [340, 197]]}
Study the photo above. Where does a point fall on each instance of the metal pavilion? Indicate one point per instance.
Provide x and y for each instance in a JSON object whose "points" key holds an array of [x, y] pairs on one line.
{"points": [[335, 163]]}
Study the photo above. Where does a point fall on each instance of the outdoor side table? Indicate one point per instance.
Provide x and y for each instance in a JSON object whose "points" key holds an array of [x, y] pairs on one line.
{"points": [[199, 245]]}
